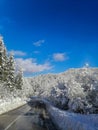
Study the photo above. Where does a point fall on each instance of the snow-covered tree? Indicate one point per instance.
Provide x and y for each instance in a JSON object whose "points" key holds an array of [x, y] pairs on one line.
{"points": [[19, 79], [86, 65], [3, 60], [10, 69], [5, 67]]}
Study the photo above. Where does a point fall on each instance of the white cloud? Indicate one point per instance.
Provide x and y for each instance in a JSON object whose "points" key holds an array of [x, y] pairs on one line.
{"points": [[38, 43], [30, 66], [17, 53], [60, 56]]}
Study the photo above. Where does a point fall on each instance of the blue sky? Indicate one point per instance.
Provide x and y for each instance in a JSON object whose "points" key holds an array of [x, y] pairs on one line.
{"points": [[50, 36]]}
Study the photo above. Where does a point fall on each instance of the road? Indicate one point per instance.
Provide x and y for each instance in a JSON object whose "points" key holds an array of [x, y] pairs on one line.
{"points": [[18, 120]]}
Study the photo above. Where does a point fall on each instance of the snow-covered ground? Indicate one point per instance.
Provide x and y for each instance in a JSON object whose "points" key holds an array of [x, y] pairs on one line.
{"points": [[72, 121], [10, 100], [10, 104]]}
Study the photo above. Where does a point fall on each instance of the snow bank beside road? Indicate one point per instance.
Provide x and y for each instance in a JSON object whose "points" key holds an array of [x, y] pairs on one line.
{"points": [[65, 120], [71, 121], [10, 104]]}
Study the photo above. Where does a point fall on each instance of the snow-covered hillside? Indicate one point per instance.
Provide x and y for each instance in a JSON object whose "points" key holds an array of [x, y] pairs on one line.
{"points": [[75, 89]]}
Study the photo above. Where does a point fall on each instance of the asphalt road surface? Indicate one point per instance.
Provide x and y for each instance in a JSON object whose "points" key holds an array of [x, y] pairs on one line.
{"points": [[18, 120]]}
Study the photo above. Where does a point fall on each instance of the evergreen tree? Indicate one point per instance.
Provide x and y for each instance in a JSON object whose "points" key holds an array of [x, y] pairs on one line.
{"points": [[3, 59], [7, 69], [11, 70], [19, 79]]}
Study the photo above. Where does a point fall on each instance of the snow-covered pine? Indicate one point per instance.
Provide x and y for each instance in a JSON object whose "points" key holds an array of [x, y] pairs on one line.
{"points": [[8, 74], [3, 60], [11, 71], [19, 78], [6, 70]]}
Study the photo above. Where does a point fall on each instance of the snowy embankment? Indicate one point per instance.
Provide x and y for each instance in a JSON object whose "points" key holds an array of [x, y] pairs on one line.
{"points": [[71, 121], [10, 104], [65, 120]]}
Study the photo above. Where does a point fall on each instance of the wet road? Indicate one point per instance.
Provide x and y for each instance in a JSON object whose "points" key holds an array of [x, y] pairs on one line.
{"points": [[18, 120]]}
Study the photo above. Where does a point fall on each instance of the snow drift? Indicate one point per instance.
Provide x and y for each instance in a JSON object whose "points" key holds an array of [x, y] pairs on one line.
{"points": [[72, 121]]}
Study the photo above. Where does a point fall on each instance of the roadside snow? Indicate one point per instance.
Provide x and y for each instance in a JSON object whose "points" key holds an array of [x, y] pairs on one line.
{"points": [[71, 121], [65, 120], [10, 104]]}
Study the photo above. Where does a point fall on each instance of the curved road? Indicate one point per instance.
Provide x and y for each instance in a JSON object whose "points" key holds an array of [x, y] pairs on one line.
{"points": [[18, 120]]}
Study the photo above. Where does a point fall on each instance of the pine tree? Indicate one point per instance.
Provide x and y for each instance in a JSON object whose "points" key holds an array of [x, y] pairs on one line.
{"points": [[11, 71], [3, 59], [19, 79], [5, 68]]}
